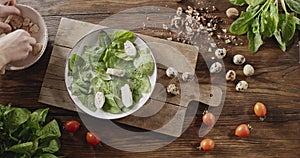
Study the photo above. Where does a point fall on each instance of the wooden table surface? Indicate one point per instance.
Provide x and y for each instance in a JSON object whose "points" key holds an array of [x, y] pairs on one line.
{"points": [[276, 83]]}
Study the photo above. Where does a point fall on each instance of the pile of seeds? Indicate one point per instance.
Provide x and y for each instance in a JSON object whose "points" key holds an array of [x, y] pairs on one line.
{"points": [[189, 23]]}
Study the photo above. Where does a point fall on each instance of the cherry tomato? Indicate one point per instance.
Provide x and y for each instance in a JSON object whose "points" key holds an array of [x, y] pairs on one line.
{"points": [[243, 130], [260, 110], [207, 145], [92, 139], [209, 119], [72, 126]]}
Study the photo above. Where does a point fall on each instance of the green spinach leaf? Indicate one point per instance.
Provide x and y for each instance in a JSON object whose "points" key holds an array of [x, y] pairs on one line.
{"points": [[294, 5], [241, 25], [254, 2], [288, 26], [254, 37], [238, 2]]}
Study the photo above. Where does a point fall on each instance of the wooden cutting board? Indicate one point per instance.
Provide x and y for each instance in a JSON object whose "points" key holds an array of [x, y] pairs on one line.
{"points": [[163, 113]]}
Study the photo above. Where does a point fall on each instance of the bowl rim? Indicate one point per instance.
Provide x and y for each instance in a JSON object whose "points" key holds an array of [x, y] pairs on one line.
{"points": [[116, 116], [15, 68]]}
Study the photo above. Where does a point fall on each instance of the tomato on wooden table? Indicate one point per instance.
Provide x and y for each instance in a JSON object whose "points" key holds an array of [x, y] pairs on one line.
{"points": [[243, 130], [72, 126], [260, 110], [92, 139], [207, 144], [208, 118]]}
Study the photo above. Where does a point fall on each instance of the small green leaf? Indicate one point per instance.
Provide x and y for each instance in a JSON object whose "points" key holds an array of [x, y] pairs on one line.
{"points": [[238, 2], [294, 5], [254, 37], [288, 27], [241, 25], [269, 20], [104, 40], [51, 128], [15, 117], [22, 148], [255, 2], [110, 105]]}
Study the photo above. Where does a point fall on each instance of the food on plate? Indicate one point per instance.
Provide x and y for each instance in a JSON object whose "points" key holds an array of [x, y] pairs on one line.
{"points": [[171, 72], [72, 126], [92, 138], [232, 13], [267, 18], [207, 144], [243, 130], [188, 76], [260, 110], [239, 59], [241, 86], [126, 96], [27, 134], [248, 70], [130, 49], [173, 89], [220, 53], [216, 67], [208, 118], [230, 75], [113, 75]]}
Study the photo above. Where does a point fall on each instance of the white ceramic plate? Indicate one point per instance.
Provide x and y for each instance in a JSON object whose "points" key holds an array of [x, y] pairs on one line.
{"points": [[41, 37], [91, 39]]}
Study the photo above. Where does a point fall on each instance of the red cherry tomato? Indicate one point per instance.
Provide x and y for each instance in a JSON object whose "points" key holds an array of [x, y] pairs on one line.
{"points": [[260, 110], [209, 119], [207, 145], [72, 126], [243, 130], [92, 139]]}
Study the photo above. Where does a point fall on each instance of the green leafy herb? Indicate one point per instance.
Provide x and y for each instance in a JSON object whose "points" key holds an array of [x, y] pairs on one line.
{"points": [[24, 134], [89, 71], [294, 5], [262, 19], [238, 2]]}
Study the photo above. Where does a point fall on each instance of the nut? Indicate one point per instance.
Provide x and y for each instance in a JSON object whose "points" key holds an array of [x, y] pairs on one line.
{"points": [[188, 76], [220, 53], [232, 13], [171, 72], [26, 21], [248, 70], [230, 75], [173, 89], [215, 67], [179, 11], [36, 49], [239, 59], [241, 86], [34, 28]]}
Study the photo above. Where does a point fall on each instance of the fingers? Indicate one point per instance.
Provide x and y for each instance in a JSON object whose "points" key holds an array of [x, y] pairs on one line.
{"points": [[12, 2], [8, 10], [5, 27], [31, 40]]}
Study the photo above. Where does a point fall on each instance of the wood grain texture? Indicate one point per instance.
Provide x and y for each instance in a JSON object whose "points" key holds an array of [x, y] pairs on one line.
{"points": [[276, 83]]}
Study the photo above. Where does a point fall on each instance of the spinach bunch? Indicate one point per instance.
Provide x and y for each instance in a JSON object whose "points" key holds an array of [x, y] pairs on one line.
{"points": [[263, 19], [24, 135]]}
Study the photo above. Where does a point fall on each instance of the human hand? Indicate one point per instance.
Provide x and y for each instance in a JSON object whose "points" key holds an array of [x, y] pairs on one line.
{"points": [[8, 2], [15, 46], [7, 8]]}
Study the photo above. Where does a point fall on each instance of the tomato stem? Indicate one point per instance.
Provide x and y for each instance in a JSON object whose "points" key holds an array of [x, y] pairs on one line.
{"points": [[262, 118], [199, 148], [250, 127], [205, 112]]}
